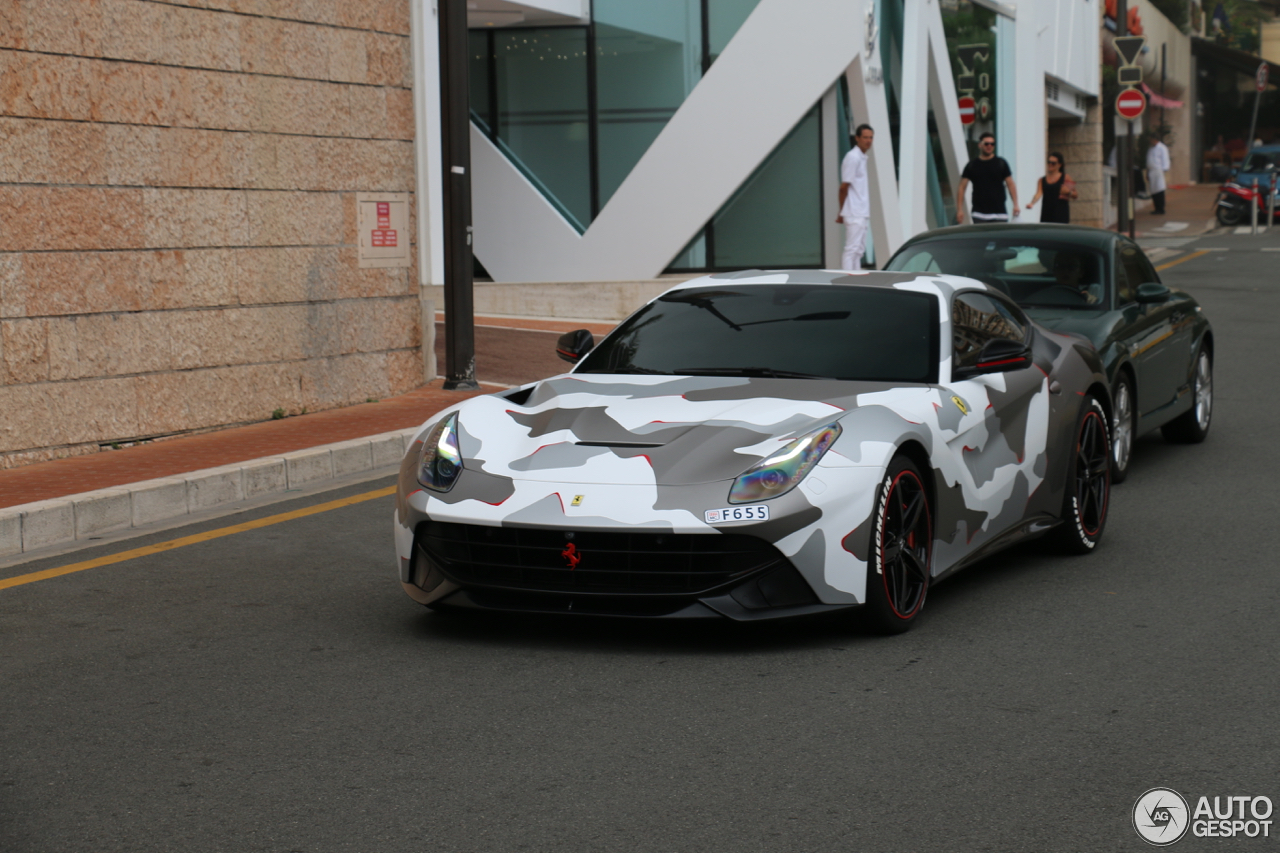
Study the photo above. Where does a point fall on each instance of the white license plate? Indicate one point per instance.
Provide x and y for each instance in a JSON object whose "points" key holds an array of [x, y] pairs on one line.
{"points": [[754, 512]]}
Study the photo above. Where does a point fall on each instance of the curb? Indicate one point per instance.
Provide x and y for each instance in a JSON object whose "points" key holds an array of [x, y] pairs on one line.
{"points": [[34, 526]]}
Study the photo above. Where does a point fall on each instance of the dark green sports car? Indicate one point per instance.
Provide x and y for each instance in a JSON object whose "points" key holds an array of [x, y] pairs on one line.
{"points": [[1156, 344]]}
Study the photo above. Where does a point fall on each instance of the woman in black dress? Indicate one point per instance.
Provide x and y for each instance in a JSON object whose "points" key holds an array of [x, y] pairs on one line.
{"points": [[1057, 190]]}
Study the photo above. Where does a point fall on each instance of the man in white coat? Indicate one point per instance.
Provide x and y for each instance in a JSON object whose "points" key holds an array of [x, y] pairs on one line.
{"points": [[855, 198], [1157, 165]]}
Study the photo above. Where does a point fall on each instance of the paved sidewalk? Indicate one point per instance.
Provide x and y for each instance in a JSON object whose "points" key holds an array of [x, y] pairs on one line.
{"points": [[54, 503], [177, 456], [1188, 213]]}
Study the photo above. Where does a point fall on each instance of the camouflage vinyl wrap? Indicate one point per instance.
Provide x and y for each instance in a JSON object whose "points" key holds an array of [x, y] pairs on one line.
{"points": [[662, 450]]}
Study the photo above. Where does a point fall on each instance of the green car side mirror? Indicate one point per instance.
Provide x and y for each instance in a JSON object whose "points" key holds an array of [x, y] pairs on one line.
{"points": [[1153, 291]]}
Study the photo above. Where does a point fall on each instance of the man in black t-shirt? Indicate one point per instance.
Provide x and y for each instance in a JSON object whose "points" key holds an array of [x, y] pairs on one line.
{"points": [[989, 175]]}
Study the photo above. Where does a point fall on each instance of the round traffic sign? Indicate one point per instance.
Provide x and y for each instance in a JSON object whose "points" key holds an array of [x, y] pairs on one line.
{"points": [[1130, 104], [967, 108]]}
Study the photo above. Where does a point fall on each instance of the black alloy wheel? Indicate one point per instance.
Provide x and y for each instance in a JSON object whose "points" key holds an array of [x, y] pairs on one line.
{"points": [[1088, 488], [898, 577]]}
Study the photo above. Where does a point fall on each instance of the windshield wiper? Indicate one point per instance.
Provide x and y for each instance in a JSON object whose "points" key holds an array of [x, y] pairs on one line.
{"points": [[748, 371]]}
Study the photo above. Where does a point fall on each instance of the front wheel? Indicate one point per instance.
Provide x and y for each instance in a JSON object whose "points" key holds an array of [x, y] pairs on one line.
{"points": [[1192, 426], [1088, 489], [1230, 214], [902, 544], [1123, 422]]}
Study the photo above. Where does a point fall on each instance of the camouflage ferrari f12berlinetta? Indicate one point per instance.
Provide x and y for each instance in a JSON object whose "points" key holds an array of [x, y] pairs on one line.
{"points": [[759, 445]]}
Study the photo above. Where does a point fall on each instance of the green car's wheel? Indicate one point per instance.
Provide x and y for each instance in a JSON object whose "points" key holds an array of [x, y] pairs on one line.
{"points": [[1123, 421], [1192, 426], [902, 543]]}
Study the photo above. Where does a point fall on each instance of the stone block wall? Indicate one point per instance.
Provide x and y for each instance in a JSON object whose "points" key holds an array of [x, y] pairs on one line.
{"points": [[1081, 147], [178, 215]]}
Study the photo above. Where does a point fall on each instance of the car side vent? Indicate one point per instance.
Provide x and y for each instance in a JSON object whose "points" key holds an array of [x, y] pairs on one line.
{"points": [[521, 396]]}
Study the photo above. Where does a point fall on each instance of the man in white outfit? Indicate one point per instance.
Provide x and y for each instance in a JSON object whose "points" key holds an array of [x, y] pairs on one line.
{"points": [[1157, 165], [855, 198]]}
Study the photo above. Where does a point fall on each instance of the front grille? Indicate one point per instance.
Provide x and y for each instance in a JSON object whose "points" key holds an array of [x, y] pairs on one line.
{"points": [[610, 563]]}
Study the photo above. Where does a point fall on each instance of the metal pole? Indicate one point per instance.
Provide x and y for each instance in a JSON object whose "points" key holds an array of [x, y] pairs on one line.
{"points": [[1132, 154], [1253, 123], [1122, 147], [1271, 202], [455, 124], [1253, 208]]}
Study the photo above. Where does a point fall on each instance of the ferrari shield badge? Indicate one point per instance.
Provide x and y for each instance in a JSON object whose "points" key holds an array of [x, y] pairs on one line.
{"points": [[964, 410]]}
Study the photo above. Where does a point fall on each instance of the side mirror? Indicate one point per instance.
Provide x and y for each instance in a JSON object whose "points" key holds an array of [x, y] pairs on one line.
{"points": [[999, 355], [572, 346], [1152, 292]]}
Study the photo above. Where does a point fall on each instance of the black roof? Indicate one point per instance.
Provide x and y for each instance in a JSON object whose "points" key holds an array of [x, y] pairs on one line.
{"points": [[1098, 238]]}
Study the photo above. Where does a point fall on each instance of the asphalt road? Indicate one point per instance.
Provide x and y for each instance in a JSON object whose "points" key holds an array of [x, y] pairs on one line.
{"points": [[274, 689]]}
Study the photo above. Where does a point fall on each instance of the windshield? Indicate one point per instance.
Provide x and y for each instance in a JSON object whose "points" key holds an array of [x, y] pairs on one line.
{"points": [[782, 330], [1036, 273], [1258, 162]]}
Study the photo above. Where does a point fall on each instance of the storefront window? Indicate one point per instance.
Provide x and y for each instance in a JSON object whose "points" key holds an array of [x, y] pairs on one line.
{"points": [[532, 94], [541, 77], [724, 18], [971, 43], [775, 218], [648, 59]]}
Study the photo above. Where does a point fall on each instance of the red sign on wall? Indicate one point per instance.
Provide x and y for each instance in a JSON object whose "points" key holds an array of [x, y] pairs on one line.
{"points": [[384, 238]]}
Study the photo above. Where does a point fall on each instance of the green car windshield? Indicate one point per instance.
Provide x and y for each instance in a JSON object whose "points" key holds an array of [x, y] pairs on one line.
{"points": [[1035, 273]]}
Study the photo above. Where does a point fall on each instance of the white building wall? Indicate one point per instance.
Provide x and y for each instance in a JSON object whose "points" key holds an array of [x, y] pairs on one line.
{"points": [[784, 59]]}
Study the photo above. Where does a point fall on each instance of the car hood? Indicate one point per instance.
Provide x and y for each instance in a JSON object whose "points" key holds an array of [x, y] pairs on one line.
{"points": [[669, 430], [1093, 325]]}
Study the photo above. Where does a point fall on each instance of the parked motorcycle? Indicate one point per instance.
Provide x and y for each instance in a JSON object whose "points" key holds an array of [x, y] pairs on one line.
{"points": [[1233, 203]]}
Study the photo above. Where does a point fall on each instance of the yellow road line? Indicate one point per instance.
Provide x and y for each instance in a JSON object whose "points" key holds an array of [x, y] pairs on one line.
{"points": [[1182, 260], [161, 547]]}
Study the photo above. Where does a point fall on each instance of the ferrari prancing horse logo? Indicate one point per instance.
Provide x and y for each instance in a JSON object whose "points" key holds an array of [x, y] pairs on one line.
{"points": [[964, 410], [577, 500], [571, 557]]}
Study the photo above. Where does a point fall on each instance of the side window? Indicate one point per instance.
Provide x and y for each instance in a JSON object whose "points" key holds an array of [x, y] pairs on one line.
{"points": [[1134, 269], [976, 319], [1126, 290]]}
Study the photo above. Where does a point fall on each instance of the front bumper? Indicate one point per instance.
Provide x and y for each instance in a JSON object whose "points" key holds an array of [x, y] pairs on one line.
{"points": [[626, 573]]}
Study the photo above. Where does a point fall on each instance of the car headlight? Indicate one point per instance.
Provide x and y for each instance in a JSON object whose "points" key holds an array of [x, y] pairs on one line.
{"points": [[441, 461], [784, 470]]}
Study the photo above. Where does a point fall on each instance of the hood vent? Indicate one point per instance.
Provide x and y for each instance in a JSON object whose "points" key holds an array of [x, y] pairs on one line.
{"points": [[628, 444]]}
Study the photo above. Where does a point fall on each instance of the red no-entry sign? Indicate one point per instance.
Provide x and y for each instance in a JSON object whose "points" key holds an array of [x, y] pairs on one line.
{"points": [[967, 108], [1130, 104]]}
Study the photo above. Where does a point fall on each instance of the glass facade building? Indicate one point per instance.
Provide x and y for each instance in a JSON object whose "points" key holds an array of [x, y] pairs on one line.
{"points": [[576, 107]]}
